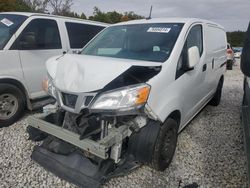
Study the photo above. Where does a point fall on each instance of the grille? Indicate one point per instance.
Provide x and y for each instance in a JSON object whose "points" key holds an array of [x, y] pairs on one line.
{"points": [[88, 100], [69, 100]]}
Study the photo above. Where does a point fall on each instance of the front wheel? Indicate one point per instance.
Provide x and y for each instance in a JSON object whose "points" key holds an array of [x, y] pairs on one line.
{"points": [[12, 104], [165, 145]]}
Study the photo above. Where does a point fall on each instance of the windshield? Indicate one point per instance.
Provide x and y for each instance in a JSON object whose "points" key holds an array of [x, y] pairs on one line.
{"points": [[148, 42], [9, 23]]}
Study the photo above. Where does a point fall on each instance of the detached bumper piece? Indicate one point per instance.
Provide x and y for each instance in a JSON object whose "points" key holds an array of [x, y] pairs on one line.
{"points": [[74, 168], [79, 170]]}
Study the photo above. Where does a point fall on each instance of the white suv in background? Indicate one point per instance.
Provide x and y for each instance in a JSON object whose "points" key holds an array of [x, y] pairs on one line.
{"points": [[27, 40]]}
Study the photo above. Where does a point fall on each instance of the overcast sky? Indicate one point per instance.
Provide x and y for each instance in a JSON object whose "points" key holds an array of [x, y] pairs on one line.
{"points": [[232, 14]]}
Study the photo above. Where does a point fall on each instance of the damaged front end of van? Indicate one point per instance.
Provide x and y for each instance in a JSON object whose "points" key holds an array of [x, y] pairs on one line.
{"points": [[102, 124], [93, 132]]}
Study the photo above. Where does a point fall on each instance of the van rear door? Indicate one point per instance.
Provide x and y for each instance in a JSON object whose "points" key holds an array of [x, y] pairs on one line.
{"points": [[39, 41]]}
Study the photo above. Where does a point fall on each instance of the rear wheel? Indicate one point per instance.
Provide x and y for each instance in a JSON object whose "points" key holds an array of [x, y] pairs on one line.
{"points": [[165, 145], [12, 104], [215, 101]]}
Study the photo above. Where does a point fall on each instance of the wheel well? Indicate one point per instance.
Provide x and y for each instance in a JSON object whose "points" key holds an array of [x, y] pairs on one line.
{"points": [[17, 84], [176, 115], [222, 78]]}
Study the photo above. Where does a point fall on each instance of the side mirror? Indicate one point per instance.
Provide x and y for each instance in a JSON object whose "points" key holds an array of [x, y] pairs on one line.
{"points": [[76, 51], [193, 57], [245, 56]]}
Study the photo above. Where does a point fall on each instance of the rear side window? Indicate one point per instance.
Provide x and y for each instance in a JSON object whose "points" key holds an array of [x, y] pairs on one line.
{"points": [[81, 34], [39, 34], [217, 40]]}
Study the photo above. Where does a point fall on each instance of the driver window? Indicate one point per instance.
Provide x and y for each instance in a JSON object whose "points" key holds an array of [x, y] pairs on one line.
{"points": [[194, 38], [39, 34]]}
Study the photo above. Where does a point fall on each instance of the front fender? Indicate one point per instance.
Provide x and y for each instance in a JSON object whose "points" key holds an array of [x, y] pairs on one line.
{"points": [[163, 109]]}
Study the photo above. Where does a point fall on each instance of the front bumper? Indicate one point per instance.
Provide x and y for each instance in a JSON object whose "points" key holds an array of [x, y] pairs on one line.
{"points": [[76, 167], [97, 148]]}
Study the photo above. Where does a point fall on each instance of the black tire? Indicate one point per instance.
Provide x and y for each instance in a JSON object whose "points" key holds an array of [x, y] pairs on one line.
{"points": [[17, 97], [165, 145], [215, 101], [229, 65]]}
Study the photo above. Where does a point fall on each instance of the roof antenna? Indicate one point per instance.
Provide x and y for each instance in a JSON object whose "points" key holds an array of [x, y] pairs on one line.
{"points": [[150, 13]]}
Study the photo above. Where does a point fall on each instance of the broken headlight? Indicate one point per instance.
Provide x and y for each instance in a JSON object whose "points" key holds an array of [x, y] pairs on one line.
{"points": [[123, 99], [49, 87]]}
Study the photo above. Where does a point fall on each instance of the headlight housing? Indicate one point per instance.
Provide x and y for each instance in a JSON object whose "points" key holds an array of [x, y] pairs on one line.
{"points": [[122, 99], [49, 87]]}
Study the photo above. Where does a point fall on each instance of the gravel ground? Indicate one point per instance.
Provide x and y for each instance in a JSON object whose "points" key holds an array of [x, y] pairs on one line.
{"points": [[210, 151]]}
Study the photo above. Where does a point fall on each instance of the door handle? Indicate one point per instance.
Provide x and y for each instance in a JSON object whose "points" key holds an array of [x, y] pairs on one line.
{"points": [[204, 68]]}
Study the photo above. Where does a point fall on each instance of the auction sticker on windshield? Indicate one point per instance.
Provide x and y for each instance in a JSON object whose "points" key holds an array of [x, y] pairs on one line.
{"points": [[159, 29], [7, 22]]}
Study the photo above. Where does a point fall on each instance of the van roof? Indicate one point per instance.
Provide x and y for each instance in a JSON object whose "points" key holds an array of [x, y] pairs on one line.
{"points": [[29, 14], [170, 20]]}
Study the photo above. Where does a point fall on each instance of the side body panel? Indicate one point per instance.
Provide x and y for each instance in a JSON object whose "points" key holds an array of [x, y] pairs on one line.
{"points": [[190, 92], [216, 44], [33, 64], [168, 93], [10, 66]]}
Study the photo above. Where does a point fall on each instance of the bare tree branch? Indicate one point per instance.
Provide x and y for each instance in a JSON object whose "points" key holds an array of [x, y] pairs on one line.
{"points": [[37, 5], [61, 7]]}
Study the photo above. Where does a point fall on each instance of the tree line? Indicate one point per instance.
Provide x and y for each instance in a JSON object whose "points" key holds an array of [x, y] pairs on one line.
{"points": [[63, 8], [236, 38]]}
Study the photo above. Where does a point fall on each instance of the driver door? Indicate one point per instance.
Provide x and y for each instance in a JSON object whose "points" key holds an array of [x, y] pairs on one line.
{"points": [[39, 41], [192, 82]]}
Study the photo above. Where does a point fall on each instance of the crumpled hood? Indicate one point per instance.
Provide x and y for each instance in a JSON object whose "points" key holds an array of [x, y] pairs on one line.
{"points": [[83, 73]]}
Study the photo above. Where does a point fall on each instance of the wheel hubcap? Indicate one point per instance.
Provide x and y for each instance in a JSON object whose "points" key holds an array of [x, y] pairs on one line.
{"points": [[8, 106], [168, 147]]}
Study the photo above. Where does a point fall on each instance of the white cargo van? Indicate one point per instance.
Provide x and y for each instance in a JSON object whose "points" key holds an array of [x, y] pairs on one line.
{"points": [[27, 40], [123, 100]]}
